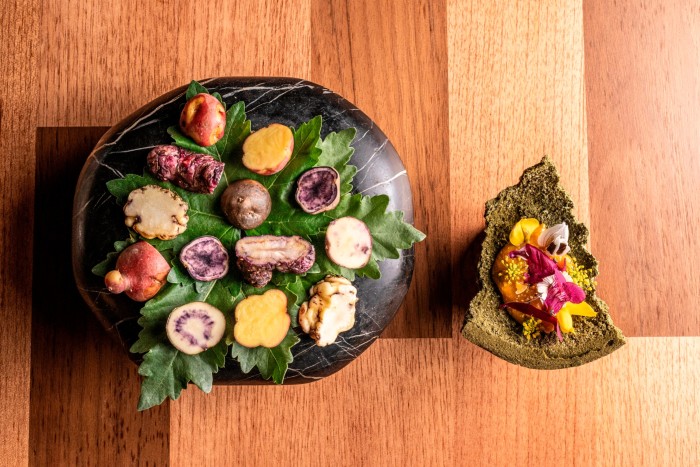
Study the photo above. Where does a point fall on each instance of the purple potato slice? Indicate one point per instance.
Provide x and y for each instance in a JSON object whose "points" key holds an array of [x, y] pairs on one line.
{"points": [[205, 258], [318, 190], [195, 327]]}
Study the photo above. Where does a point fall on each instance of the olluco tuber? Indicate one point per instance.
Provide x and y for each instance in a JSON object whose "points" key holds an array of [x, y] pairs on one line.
{"points": [[195, 327], [199, 173], [257, 257], [318, 190], [330, 310], [349, 243], [205, 258], [153, 211], [262, 320], [246, 204], [140, 272], [203, 119]]}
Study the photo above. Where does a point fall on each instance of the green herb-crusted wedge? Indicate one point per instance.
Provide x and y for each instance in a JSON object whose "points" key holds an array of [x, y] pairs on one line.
{"points": [[537, 306]]}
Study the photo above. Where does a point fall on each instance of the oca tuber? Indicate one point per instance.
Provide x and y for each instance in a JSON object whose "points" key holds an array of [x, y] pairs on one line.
{"points": [[330, 310], [257, 257], [199, 173], [262, 320], [140, 273], [195, 327], [153, 211]]}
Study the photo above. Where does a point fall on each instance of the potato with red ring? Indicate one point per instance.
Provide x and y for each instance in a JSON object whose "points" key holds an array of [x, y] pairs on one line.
{"points": [[203, 119]]}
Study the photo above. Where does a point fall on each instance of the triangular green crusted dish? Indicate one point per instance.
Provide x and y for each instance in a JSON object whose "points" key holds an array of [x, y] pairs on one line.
{"points": [[488, 325]]}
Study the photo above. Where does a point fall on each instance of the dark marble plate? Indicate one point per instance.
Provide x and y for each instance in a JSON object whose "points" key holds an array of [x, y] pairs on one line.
{"points": [[98, 221]]}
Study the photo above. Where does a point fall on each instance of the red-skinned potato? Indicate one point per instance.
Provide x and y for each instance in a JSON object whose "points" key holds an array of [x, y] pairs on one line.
{"points": [[140, 273], [268, 150], [203, 119]]}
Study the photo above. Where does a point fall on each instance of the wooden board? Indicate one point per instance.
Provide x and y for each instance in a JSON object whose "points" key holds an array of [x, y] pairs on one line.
{"points": [[17, 127], [486, 86], [643, 93]]}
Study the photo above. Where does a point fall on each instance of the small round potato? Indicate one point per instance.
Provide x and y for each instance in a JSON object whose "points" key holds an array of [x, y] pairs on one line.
{"points": [[246, 204]]}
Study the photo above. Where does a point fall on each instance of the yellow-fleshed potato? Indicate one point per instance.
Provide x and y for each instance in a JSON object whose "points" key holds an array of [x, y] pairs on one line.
{"points": [[262, 320]]}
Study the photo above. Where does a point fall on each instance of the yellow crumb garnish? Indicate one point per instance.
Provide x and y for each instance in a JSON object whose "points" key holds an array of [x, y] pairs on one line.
{"points": [[581, 277], [515, 269], [531, 328]]}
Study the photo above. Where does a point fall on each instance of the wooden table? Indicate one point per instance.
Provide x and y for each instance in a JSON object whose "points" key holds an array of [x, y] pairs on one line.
{"points": [[470, 92]]}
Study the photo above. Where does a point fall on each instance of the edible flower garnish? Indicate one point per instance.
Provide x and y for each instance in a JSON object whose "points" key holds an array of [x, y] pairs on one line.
{"points": [[541, 265]]}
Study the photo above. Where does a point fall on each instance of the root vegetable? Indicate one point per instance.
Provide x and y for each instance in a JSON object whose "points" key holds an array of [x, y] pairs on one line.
{"points": [[205, 258], [318, 190], [349, 243], [268, 150], [257, 257], [199, 173], [140, 272], [262, 320], [153, 211], [203, 119], [246, 204], [330, 310], [195, 327]]}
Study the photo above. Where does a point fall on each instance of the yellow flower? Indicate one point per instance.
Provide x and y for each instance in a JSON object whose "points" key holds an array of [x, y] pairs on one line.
{"points": [[522, 230], [531, 328], [566, 323], [581, 277]]}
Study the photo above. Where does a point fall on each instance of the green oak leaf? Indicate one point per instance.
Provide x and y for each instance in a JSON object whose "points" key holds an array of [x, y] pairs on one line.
{"points": [[336, 152], [193, 89], [167, 371], [272, 363]]}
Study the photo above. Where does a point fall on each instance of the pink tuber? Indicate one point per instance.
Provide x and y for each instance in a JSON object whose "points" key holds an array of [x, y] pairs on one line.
{"points": [[140, 273]]}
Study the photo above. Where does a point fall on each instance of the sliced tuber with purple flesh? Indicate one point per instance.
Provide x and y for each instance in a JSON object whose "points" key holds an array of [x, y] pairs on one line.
{"points": [[246, 204], [349, 243], [195, 327], [257, 257], [205, 258], [318, 190], [140, 273], [199, 173]]}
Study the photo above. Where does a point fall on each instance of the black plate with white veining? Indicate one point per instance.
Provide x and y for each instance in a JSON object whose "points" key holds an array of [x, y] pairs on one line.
{"points": [[98, 221]]}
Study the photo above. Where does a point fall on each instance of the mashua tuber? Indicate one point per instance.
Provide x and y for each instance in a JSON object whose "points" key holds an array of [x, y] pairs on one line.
{"points": [[199, 173], [140, 272], [330, 310]]}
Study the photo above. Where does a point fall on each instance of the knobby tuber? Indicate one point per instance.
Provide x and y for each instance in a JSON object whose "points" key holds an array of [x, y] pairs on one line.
{"points": [[246, 204], [262, 320], [205, 258], [199, 173], [318, 190], [203, 119], [330, 310], [349, 243], [268, 150], [195, 327], [154, 211], [140, 272], [257, 257]]}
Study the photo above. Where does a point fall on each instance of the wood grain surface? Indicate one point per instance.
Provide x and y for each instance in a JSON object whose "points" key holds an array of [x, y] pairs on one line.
{"points": [[83, 385], [643, 90], [17, 127], [470, 92]]}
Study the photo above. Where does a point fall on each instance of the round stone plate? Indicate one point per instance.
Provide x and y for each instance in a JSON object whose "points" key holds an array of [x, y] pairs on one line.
{"points": [[98, 221]]}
